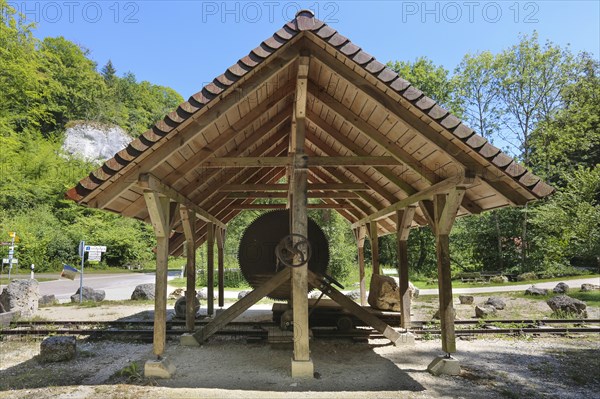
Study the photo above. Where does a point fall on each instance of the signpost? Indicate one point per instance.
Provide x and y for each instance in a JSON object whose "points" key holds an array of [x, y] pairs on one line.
{"points": [[94, 256], [11, 253]]}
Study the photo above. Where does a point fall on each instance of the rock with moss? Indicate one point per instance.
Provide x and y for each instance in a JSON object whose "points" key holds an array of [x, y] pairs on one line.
{"points": [[58, 349], [484, 311], [496, 302], [533, 290], [526, 276], [567, 305], [143, 292], [561, 288]]}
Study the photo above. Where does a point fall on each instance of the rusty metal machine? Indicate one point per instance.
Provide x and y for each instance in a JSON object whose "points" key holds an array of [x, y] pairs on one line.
{"points": [[266, 237]]}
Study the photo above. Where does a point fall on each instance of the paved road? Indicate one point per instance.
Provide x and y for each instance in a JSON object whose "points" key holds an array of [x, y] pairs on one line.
{"points": [[119, 286], [116, 285]]}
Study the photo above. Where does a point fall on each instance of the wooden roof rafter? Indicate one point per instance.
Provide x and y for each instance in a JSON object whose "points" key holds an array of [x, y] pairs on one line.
{"points": [[356, 107]]}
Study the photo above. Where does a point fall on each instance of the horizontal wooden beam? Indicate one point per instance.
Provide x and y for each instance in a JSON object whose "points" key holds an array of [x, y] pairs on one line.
{"points": [[284, 187], [260, 162], [282, 206], [444, 185], [148, 181], [282, 194]]}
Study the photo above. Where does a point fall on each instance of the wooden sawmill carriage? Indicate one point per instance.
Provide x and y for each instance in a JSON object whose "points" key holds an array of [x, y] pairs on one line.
{"points": [[307, 114]]}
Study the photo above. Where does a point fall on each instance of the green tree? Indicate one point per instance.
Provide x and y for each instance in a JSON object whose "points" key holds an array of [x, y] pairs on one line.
{"points": [[531, 78], [431, 79]]}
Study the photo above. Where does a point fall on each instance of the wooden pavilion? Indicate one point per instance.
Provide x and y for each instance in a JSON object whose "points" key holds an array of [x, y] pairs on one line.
{"points": [[306, 114]]}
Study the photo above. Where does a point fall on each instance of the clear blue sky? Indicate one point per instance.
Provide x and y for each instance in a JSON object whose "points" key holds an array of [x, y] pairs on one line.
{"points": [[184, 44]]}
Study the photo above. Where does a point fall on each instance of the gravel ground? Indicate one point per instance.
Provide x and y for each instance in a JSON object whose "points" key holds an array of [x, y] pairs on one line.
{"points": [[493, 366]]}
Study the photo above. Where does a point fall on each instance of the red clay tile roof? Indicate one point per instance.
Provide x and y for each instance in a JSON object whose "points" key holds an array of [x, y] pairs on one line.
{"points": [[305, 22]]}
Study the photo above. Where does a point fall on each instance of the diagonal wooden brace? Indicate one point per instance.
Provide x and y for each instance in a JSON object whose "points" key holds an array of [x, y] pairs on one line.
{"points": [[241, 306], [355, 308]]}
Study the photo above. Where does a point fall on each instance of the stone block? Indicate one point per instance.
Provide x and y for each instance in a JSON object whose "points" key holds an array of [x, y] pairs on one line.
{"points": [[405, 340], [188, 340], [443, 365], [162, 368], [303, 369], [58, 349]]}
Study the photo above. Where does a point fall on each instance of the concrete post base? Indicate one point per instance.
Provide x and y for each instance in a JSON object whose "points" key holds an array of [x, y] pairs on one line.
{"points": [[162, 368], [302, 369], [188, 340], [406, 339], [444, 365]]}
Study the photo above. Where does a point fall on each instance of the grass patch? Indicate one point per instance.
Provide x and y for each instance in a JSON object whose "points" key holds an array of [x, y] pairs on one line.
{"points": [[425, 284], [591, 298], [5, 281], [122, 302], [182, 283]]}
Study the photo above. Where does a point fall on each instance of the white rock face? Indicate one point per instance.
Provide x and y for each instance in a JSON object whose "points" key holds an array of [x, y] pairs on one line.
{"points": [[95, 142]]}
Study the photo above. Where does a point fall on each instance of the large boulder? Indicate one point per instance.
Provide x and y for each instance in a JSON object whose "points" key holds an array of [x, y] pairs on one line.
{"points": [[566, 304], [527, 276], [590, 287], [22, 296], [354, 295], [561, 288], [466, 299], [143, 291], [496, 302], [177, 293], [89, 294], [48, 300], [384, 293], [58, 348], [499, 279], [533, 290], [484, 311], [242, 294], [203, 294]]}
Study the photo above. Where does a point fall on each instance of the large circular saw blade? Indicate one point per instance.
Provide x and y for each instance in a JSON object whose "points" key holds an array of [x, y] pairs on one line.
{"points": [[256, 253]]}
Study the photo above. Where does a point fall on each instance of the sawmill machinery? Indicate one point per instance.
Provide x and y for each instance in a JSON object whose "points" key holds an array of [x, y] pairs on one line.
{"points": [[267, 246]]}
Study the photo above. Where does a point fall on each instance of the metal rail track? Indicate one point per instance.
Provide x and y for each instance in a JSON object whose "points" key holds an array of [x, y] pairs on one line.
{"points": [[257, 330]]}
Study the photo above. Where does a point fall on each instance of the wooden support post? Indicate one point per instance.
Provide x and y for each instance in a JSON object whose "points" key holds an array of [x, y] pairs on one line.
{"points": [[359, 234], [374, 238], [210, 268], [301, 363], [158, 209], [188, 220], [221, 265], [404, 221], [441, 214]]}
